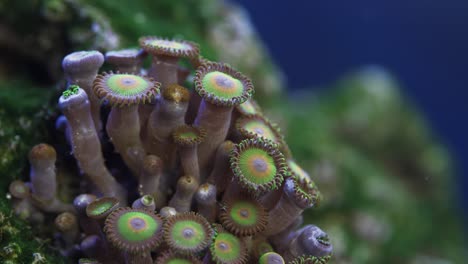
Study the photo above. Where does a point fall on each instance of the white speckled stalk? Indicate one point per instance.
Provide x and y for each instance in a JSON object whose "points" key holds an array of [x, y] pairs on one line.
{"points": [[166, 116], [126, 61], [123, 128], [216, 121], [189, 161], [86, 146], [164, 69], [220, 175], [282, 215]]}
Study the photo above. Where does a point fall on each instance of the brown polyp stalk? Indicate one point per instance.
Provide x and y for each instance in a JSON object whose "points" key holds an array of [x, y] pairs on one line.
{"points": [[95, 246], [127, 60], [282, 239], [287, 210], [216, 120], [88, 225], [86, 146], [67, 224], [164, 66], [214, 113], [22, 204], [81, 69], [123, 128], [123, 124], [189, 162], [192, 109], [182, 75], [138, 258], [218, 175], [42, 158], [206, 201], [164, 69], [187, 149], [168, 114], [182, 199], [151, 180]]}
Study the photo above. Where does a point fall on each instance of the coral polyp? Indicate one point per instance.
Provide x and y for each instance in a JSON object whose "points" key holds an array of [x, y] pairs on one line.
{"points": [[125, 89], [228, 249], [182, 173]]}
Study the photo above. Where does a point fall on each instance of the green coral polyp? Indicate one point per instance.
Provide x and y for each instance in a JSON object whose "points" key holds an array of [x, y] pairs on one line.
{"points": [[227, 248], [186, 135], [248, 108], [305, 192], [147, 200], [162, 43], [71, 90], [137, 226], [258, 165], [127, 84], [101, 207], [171, 48], [133, 230], [125, 89], [244, 213], [243, 217], [222, 85], [258, 126], [297, 171], [187, 233]]}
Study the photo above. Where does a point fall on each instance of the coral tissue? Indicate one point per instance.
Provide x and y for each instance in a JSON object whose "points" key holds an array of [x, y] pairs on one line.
{"points": [[170, 170]]}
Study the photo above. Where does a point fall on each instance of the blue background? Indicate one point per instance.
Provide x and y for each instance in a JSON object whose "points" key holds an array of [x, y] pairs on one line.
{"points": [[424, 43]]}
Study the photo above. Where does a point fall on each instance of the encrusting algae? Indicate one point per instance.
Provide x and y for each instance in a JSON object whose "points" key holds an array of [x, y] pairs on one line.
{"points": [[201, 175]]}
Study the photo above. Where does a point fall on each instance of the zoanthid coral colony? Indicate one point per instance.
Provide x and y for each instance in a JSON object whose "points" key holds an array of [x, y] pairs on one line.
{"points": [[200, 174]]}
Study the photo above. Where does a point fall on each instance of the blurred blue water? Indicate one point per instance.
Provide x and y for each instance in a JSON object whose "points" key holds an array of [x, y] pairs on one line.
{"points": [[423, 42]]}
